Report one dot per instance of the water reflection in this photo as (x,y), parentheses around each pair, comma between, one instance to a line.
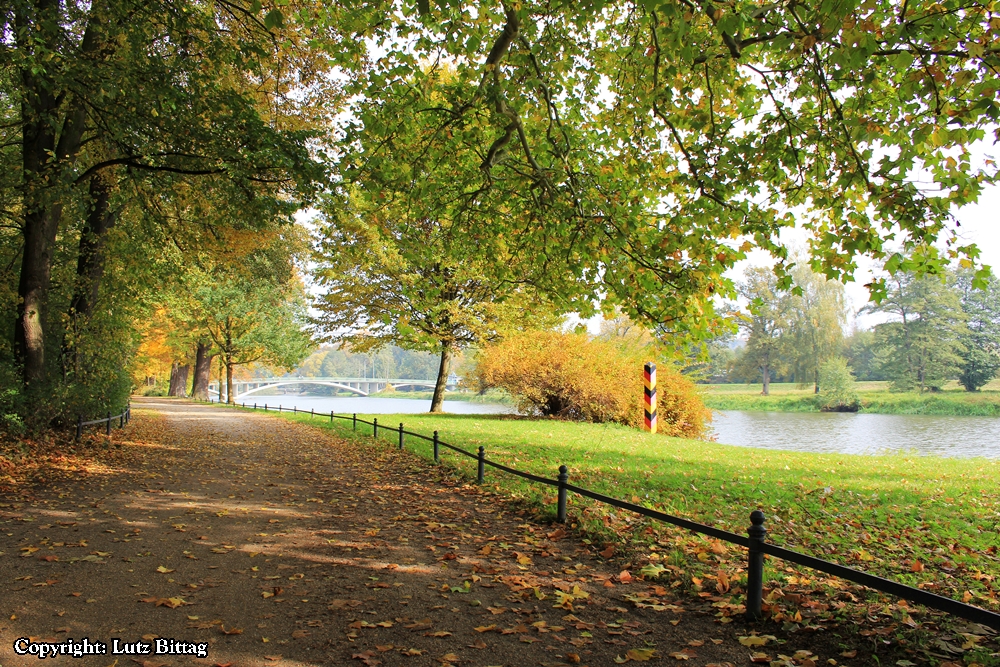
(375,406)
(960,437)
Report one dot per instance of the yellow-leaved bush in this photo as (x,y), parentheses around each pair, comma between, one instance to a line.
(574,376)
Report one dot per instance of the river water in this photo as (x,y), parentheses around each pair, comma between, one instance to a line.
(818,432)
(846,433)
(375,406)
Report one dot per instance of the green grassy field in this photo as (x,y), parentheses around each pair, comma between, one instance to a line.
(875,398)
(919,520)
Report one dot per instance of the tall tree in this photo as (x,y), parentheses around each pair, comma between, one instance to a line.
(981,358)
(413,261)
(254,322)
(112,88)
(765,325)
(816,324)
(921,345)
(395,280)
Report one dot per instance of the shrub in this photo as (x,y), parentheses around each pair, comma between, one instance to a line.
(837,392)
(572,376)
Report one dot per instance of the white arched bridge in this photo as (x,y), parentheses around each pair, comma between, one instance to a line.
(359,386)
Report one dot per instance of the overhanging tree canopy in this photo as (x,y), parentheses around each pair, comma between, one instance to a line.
(658,142)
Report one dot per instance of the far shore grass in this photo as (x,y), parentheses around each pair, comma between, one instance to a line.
(918,520)
(875,397)
(492,396)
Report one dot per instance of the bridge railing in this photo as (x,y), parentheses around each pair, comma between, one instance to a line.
(755,540)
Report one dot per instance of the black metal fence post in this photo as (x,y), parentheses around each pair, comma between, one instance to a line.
(755,565)
(482,465)
(400,435)
(312,412)
(121,420)
(375,427)
(437,458)
(331,416)
(254,406)
(561,505)
(79,426)
(265,407)
(108,430)
(354,420)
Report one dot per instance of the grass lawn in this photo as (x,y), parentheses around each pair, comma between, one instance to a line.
(925,521)
(875,398)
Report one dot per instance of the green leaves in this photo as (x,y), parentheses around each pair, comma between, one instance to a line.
(274,19)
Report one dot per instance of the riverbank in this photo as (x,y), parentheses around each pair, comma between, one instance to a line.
(874,398)
(920,520)
(493,396)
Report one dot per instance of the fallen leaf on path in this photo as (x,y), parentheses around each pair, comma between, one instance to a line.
(343,604)
(637,654)
(367,657)
(172,603)
(755,640)
(164,570)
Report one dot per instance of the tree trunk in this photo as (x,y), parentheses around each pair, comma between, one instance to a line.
(90,261)
(442,378)
(50,142)
(202,372)
(816,386)
(766,370)
(229,381)
(89,266)
(179,379)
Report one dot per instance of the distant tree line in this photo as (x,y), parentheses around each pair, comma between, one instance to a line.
(937,328)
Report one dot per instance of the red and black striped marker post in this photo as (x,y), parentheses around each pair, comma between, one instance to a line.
(649,378)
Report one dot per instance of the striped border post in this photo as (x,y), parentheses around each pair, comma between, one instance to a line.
(649,379)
